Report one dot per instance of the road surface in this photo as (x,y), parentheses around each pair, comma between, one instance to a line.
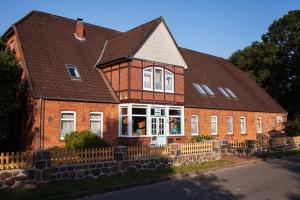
(276,179)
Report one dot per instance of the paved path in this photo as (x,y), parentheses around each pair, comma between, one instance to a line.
(276,179)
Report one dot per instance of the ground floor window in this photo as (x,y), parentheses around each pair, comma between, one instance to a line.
(229,122)
(96,123)
(67,123)
(243,125)
(138,120)
(194,124)
(214,125)
(258,125)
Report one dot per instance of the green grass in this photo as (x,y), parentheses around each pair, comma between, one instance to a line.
(278,154)
(67,187)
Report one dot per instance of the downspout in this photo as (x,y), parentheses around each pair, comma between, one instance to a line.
(40,124)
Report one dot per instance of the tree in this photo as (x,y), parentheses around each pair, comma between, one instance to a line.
(10,84)
(274,62)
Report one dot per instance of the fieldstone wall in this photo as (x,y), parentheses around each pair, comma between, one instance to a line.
(44,172)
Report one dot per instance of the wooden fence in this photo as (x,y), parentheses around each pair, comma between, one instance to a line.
(13,160)
(62,157)
(135,152)
(201,147)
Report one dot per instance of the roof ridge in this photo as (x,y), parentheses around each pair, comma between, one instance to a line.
(196,51)
(62,17)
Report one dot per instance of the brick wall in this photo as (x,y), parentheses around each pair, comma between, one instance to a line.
(51,119)
(204,123)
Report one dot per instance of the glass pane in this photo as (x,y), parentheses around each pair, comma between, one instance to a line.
(95,127)
(158,79)
(139,111)
(161,125)
(124,110)
(229,125)
(148,70)
(67,115)
(169,83)
(175,125)
(213,127)
(96,116)
(139,125)
(153,126)
(174,112)
(147,80)
(66,127)
(124,125)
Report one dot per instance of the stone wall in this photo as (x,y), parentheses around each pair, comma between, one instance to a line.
(44,172)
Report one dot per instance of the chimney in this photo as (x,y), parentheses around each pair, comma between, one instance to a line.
(80,32)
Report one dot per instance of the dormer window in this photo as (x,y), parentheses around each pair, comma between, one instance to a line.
(147,79)
(158,79)
(73,72)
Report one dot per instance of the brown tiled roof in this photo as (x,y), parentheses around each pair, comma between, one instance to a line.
(218,72)
(126,44)
(48,44)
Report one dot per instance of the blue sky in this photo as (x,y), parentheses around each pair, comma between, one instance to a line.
(216,27)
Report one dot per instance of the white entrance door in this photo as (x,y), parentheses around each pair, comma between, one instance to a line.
(158,130)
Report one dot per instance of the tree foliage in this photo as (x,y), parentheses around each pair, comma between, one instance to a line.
(274,62)
(10,83)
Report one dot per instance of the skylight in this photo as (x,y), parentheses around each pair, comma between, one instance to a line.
(224,92)
(207,90)
(230,93)
(199,88)
(73,72)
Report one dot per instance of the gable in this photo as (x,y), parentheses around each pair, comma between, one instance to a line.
(160,47)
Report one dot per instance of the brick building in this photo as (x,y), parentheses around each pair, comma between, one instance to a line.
(135,85)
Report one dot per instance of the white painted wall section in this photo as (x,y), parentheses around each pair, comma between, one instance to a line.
(160,47)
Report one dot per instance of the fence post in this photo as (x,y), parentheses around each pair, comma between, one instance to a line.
(121,154)
(216,146)
(42,164)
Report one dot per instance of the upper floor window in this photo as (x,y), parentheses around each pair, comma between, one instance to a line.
(169,81)
(158,79)
(73,72)
(147,79)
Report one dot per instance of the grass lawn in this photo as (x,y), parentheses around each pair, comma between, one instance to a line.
(279,154)
(66,187)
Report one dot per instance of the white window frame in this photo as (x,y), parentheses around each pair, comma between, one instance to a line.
(75,70)
(231,124)
(97,120)
(148,106)
(215,121)
(162,79)
(174,116)
(166,76)
(245,124)
(151,79)
(260,125)
(67,112)
(197,124)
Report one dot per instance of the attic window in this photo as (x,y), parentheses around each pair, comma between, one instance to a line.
(73,72)
(199,88)
(222,90)
(230,93)
(207,90)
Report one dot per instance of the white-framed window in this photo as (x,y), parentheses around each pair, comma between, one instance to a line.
(229,122)
(214,125)
(243,125)
(96,122)
(139,121)
(67,122)
(279,120)
(73,71)
(169,81)
(175,120)
(124,121)
(158,79)
(148,78)
(194,124)
(258,125)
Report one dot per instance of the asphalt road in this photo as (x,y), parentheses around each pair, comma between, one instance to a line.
(276,179)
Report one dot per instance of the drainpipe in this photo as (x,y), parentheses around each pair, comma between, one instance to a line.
(40,124)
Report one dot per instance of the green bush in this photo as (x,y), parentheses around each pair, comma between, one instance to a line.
(83,139)
(201,138)
(293,127)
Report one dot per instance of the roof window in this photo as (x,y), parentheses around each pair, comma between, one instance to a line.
(207,90)
(199,88)
(203,89)
(73,72)
(222,90)
(230,93)
(227,92)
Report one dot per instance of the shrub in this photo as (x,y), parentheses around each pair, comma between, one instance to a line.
(83,139)
(201,138)
(293,127)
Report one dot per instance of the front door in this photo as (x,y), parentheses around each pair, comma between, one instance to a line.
(158,130)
